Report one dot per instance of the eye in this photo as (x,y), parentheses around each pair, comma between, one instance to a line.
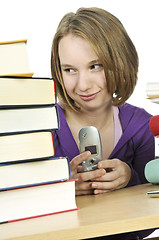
(69,70)
(96,66)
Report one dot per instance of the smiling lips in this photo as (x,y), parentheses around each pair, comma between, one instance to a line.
(88,97)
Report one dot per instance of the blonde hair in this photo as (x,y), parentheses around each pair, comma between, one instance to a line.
(111,43)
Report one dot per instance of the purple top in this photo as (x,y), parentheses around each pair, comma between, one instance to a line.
(136,146)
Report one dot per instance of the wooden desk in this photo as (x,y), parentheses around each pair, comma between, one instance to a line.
(120,211)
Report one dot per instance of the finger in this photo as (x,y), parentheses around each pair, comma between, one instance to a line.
(83,186)
(110,163)
(82,192)
(79,159)
(116,184)
(86,176)
(79,169)
(101,191)
(108,177)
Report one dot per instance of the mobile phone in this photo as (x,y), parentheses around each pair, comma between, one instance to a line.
(89,140)
(153,194)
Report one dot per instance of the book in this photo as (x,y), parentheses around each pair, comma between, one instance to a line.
(22,174)
(14,59)
(152,90)
(26,146)
(37,201)
(18,91)
(155,100)
(153,94)
(28,119)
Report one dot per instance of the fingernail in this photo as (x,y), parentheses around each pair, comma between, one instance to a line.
(94,185)
(96,192)
(99,165)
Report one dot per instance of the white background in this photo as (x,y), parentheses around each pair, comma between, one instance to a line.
(37,20)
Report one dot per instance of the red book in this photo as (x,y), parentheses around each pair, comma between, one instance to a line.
(36,201)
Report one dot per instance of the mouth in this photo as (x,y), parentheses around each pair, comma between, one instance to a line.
(88,97)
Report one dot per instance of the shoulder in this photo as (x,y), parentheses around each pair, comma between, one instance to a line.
(65,144)
(62,120)
(134,118)
(130,111)
(134,109)
(60,111)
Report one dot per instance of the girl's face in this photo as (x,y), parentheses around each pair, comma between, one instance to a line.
(83,74)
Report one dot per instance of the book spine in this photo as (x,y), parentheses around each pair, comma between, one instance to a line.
(32,185)
(14,41)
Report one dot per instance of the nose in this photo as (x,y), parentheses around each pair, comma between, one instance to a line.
(84,81)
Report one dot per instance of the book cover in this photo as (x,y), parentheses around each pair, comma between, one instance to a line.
(24,174)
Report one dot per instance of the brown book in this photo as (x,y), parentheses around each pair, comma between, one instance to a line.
(27,146)
(14,59)
(18,91)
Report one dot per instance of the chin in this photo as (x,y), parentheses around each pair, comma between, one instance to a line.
(94,105)
(92,108)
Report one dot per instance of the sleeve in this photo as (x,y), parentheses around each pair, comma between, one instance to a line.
(144,151)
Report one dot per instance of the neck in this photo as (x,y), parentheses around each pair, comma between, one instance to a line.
(99,118)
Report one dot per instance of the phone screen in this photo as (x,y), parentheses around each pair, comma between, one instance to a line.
(92,149)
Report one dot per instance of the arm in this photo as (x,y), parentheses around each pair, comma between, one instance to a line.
(144,146)
(139,150)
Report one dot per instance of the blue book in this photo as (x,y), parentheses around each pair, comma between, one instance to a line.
(32,173)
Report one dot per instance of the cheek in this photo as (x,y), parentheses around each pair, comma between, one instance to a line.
(103,84)
(69,85)
(103,81)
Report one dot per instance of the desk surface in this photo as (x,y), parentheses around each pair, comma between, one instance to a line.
(124,210)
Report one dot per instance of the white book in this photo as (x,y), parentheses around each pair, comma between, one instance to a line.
(30,173)
(28,119)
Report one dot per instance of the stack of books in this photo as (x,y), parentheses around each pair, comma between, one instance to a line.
(32,182)
(152,91)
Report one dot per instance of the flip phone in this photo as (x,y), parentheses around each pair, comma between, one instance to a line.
(89,140)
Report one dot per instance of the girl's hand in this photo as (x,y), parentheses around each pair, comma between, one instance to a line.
(117,175)
(84,184)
